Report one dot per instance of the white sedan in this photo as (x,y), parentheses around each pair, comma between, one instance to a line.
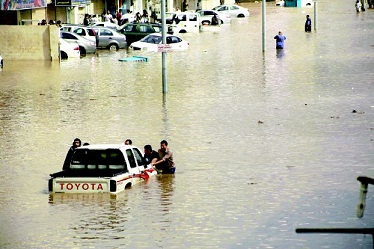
(233,10)
(206,16)
(152,42)
(69,49)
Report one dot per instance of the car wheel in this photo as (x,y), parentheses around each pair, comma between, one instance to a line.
(240,15)
(82,50)
(113,47)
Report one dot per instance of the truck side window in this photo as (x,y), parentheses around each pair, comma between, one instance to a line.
(131,158)
(139,157)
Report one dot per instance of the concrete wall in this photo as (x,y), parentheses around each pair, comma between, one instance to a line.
(29,42)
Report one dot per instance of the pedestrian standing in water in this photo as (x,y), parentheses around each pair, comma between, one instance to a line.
(358,6)
(151,156)
(308,24)
(280,38)
(165,162)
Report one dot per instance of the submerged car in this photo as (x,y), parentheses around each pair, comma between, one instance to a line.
(69,49)
(233,10)
(110,39)
(207,15)
(85,46)
(153,41)
(104,25)
(136,31)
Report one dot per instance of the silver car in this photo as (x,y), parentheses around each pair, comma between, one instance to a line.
(110,39)
(85,31)
(85,46)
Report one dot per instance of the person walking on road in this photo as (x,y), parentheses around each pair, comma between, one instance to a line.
(308,24)
(280,38)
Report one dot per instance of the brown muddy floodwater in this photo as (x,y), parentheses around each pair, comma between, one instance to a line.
(240,183)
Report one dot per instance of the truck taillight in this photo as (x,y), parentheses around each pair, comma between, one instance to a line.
(113,186)
(50,185)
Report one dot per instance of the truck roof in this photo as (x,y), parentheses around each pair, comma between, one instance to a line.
(106,146)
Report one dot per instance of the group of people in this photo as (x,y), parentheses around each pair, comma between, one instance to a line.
(161,160)
(120,18)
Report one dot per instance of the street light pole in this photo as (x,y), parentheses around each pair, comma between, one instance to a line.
(164,69)
(315,15)
(263,25)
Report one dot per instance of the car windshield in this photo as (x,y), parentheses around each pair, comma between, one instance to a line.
(154,39)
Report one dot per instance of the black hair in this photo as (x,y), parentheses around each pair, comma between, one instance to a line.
(148,147)
(164,142)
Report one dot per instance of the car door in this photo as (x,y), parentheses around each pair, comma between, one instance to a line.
(105,37)
(174,41)
(144,30)
(134,170)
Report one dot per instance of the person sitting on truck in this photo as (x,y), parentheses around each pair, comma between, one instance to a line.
(150,155)
(76,143)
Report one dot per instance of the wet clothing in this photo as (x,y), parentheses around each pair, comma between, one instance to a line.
(279,41)
(308,25)
(149,157)
(167,158)
(215,20)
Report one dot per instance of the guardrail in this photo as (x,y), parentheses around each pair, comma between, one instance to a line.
(365,181)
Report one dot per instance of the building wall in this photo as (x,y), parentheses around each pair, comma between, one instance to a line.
(29,42)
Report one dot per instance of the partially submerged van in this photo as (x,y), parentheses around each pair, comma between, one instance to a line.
(184,22)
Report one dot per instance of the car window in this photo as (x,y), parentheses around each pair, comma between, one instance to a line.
(80,31)
(172,39)
(130,156)
(193,17)
(152,39)
(208,13)
(157,29)
(91,32)
(234,8)
(106,32)
(182,17)
(68,36)
(130,28)
(139,157)
(145,29)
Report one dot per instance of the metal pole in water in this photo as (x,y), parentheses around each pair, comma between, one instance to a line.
(315,15)
(164,69)
(263,25)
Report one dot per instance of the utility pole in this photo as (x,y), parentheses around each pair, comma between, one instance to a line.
(164,69)
(263,25)
(315,15)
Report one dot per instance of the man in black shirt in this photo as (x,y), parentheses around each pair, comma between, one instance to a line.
(150,155)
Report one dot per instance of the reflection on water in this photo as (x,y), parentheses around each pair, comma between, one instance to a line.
(263,142)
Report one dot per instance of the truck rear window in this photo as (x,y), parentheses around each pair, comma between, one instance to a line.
(98,159)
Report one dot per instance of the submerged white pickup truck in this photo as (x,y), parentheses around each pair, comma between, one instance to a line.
(101,168)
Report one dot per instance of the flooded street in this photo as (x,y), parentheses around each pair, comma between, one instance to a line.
(263,143)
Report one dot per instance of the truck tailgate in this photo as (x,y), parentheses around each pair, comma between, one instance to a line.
(79,185)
